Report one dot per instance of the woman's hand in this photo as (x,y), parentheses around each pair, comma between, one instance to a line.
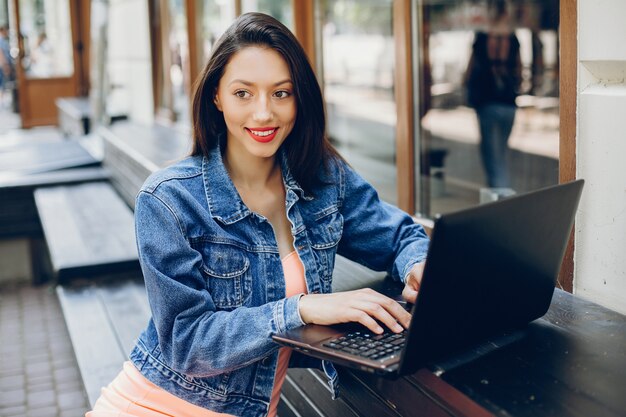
(364,306)
(413,282)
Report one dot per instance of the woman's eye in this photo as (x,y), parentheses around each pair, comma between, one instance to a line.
(242,94)
(282,94)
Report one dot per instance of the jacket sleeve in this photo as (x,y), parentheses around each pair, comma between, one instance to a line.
(196,339)
(376,234)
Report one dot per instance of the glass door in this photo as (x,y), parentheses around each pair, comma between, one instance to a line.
(49,57)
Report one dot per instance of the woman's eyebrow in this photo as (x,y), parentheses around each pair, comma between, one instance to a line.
(250,83)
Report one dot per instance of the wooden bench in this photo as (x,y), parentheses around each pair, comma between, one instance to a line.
(18,214)
(104,320)
(38,157)
(133,151)
(74,115)
(89,231)
(33,160)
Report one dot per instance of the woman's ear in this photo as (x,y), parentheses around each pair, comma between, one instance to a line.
(216,100)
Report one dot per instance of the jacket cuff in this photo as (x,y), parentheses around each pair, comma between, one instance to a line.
(299,296)
(409,266)
(287,314)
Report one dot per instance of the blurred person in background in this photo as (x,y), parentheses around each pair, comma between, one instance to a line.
(493,80)
(7,67)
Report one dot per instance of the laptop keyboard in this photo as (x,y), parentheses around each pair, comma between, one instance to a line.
(369,345)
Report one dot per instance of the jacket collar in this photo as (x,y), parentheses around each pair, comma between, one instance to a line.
(290,183)
(224,201)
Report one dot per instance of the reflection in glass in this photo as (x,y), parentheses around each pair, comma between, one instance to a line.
(280,9)
(216,16)
(487,99)
(358,78)
(46,31)
(4,13)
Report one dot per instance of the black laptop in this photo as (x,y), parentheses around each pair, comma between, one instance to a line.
(489,268)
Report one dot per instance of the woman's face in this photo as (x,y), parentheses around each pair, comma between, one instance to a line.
(255,94)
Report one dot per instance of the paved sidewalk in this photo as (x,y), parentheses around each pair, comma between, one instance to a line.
(39,376)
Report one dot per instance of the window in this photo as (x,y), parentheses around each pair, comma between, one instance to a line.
(280,9)
(215,17)
(173,67)
(358,79)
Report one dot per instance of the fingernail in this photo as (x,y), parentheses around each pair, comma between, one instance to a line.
(379,329)
(398,328)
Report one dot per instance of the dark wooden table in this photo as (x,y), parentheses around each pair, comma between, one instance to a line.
(571,362)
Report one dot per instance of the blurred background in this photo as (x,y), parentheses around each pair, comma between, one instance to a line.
(75,48)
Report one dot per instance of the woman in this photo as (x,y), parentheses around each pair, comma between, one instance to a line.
(238,241)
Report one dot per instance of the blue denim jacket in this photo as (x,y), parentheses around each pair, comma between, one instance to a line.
(215,281)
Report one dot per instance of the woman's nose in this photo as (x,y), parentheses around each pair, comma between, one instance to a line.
(263,110)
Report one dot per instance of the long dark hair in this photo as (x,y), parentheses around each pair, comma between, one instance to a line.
(307,146)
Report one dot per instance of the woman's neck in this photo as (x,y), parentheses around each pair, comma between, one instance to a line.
(250,172)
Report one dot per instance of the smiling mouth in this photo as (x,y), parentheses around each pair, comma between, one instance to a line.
(263,135)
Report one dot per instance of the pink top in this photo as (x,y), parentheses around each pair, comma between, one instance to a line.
(295,283)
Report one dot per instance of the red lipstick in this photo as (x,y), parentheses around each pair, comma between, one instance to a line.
(262,134)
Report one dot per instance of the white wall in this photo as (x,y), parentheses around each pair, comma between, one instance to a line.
(129,60)
(600,254)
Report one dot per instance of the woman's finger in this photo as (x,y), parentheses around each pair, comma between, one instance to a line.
(362,317)
(379,313)
(394,308)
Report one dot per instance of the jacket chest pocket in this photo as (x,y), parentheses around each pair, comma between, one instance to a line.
(226,270)
(325,235)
